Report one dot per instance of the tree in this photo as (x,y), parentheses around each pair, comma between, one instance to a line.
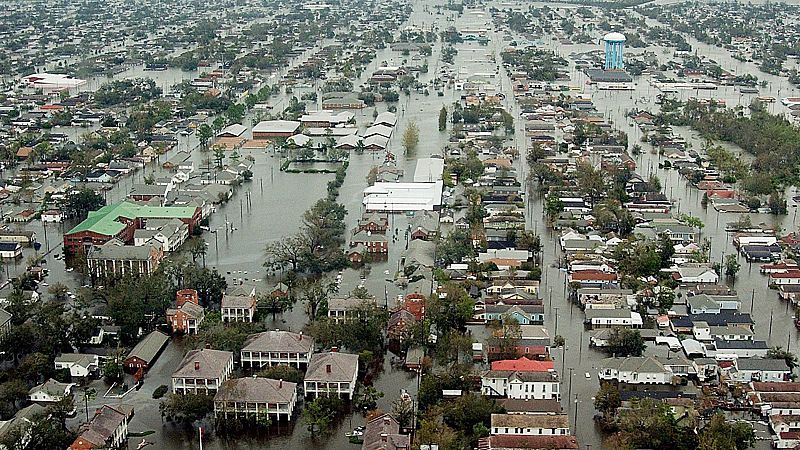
(320,412)
(779,353)
(732,266)
(275,304)
(719,434)
(186,408)
(649,423)
(112,369)
(443,118)
(410,137)
(553,206)
(204,135)
(282,372)
(286,252)
(197,248)
(626,342)
(219,155)
(692,221)
(666,249)
(402,410)
(58,290)
(506,335)
(450,309)
(78,204)
(559,341)
(366,398)
(590,182)
(315,294)
(607,400)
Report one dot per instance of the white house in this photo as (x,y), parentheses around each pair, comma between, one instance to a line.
(331,372)
(277,347)
(202,372)
(52,216)
(759,369)
(51,391)
(610,318)
(701,331)
(521,385)
(80,365)
(694,275)
(530,424)
(644,369)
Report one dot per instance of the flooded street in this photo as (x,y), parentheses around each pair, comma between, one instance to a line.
(270,207)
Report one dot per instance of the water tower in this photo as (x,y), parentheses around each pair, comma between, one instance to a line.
(615,46)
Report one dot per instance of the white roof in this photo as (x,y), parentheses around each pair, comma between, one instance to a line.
(614,37)
(386,118)
(235,129)
(276,126)
(429,169)
(381,130)
(403,196)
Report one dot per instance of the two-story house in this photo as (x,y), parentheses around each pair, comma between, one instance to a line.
(271,348)
(333,373)
(202,371)
(530,424)
(256,397)
(187,315)
(238,308)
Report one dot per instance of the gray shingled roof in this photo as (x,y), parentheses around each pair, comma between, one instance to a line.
(262,390)
(343,367)
(279,341)
(212,364)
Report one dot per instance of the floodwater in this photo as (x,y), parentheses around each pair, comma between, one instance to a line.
(271,205)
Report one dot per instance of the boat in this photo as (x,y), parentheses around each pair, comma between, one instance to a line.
(790,101)
(356,432)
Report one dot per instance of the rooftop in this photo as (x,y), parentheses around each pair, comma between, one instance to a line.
(105,221)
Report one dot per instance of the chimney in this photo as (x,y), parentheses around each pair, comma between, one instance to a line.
(197,365)
(334,349)
(280,383)
(384,437)
(328,368)
(387,421)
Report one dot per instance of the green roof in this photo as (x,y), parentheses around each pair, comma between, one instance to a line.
(104,220)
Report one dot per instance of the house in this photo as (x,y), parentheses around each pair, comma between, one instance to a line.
(592,278)
(10,250)
(530,424)
(202,371)
(373,222)
(729,350)
(52,216)
(694,275)
(341,309)
(170,233)
(520,442)
(791,276)
(702,304)
(255,397)
(372,242)
(731,333)
(238,308)
(599,298)
(399,325)
(540,385)
(424,225)
(114,258)
(271,348)
(51,391)
(108,429)
(760,369)
(232,130)
(383,433)
(641,370)
(80,365)
(523,314)
(187,315)
(145,352)
(331,372)
(610,318)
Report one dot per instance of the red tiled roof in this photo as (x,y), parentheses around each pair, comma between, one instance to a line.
(523,364)
(795,273)
(532,442)
(593,275)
